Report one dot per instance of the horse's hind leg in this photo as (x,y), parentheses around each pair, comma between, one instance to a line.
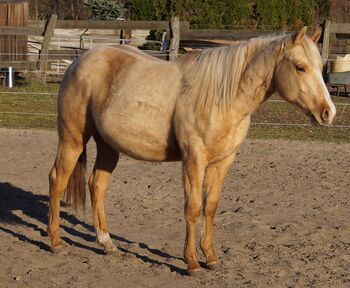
(106,161)
(68,152)
(214,178)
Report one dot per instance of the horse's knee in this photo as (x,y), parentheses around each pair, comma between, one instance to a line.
(210,208)
(192,210)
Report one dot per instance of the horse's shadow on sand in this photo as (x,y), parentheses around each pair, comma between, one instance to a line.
(16,205)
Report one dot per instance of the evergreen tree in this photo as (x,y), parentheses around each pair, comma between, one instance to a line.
(104,9)
(237,14)
(142,10)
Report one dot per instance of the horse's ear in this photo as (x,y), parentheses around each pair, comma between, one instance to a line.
(299,36)
(315,36)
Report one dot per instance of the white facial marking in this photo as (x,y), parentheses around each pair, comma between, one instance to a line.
(329,101)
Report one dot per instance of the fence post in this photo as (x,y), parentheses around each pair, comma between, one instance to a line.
(174,37)
(125,36)
(49,30)
(325,45)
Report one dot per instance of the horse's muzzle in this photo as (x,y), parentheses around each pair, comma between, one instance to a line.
(328,115)
(323,118)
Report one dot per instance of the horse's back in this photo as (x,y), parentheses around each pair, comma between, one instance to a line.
(129,97)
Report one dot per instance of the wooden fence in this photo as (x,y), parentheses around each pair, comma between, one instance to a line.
(46,29)
(211,34)
(176,31)
(332,29)
(12,14)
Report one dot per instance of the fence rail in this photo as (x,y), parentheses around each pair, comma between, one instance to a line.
(46,29)
(175,30)
(7,30)
(236,35)
(29,105)
(332,28)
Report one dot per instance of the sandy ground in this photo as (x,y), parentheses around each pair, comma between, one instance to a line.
(283,220)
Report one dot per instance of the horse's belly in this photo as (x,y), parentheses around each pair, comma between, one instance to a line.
(142,131)
(139,118)
(142,142)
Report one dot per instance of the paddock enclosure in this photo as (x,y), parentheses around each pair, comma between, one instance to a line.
(283,220)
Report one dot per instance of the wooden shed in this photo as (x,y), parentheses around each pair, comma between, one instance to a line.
(13,14)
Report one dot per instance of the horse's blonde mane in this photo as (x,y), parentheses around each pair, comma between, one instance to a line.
(214,75)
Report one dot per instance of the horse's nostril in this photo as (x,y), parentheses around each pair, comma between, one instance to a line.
(325,115)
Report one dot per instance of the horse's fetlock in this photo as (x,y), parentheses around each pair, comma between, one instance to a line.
(206,247)
(52,232)
(193,264)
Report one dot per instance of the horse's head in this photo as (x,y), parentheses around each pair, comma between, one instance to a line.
(298,77)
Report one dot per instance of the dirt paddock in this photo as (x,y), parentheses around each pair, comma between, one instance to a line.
(283,220)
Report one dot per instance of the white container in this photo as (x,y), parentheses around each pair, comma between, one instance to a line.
(341,64)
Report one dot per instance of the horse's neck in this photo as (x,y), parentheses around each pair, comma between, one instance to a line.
(256,82)
(254,64)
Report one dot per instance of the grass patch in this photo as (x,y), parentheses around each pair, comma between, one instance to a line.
(282,113)
(37,110)
(35,86)
(307,133)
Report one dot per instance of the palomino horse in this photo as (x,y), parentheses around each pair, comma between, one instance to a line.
(195,109)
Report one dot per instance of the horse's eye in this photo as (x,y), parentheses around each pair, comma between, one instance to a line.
(300,68)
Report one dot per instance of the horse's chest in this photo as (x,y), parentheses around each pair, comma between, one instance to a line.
(220,148)
(226,141)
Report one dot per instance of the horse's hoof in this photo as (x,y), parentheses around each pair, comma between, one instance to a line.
(214,266)
(57,249)
(110,251)
(195,272)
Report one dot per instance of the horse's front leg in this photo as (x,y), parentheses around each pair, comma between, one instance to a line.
(213,180)
(193,173)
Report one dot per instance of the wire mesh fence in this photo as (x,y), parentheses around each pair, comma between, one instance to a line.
(272,114)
